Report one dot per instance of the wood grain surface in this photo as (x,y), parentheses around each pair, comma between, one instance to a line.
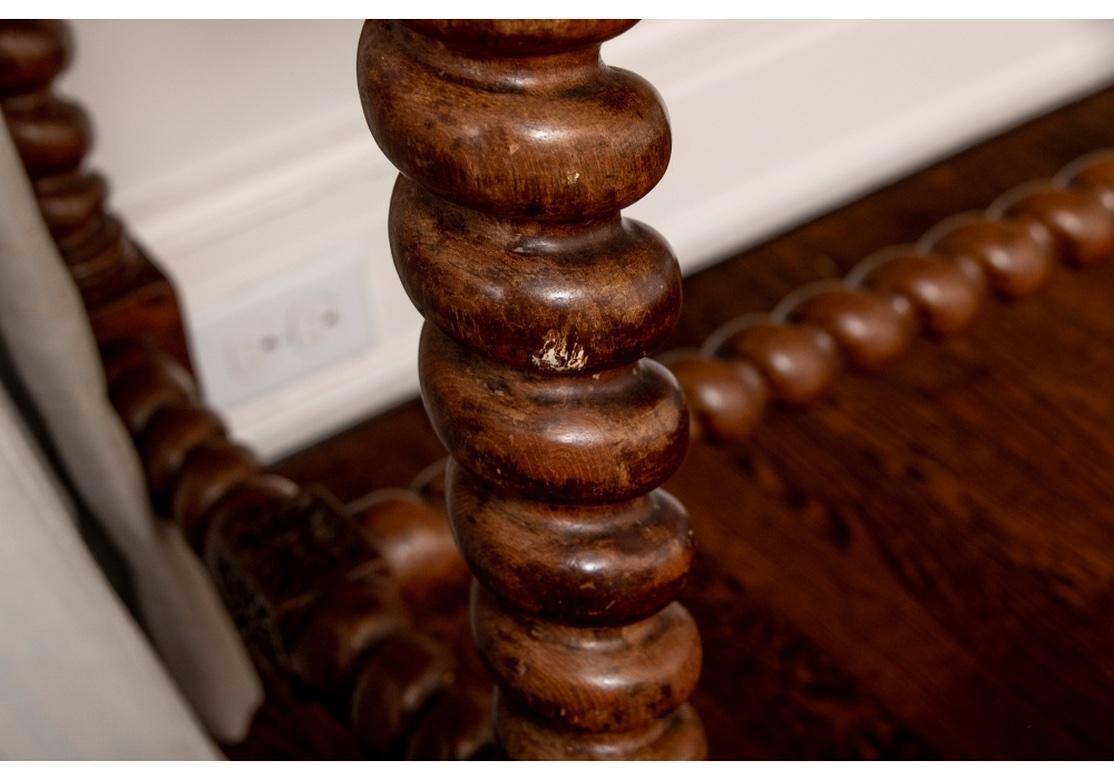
(921,565)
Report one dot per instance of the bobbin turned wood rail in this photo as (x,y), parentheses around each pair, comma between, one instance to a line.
(870,317)
(518,148)
(124,292)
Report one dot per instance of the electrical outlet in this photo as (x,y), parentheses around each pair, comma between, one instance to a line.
(286,328)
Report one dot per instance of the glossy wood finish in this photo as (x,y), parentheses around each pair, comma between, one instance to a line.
(413,535)
(518,148)
(918,565)
(319,592)
(868,318)
(124,293)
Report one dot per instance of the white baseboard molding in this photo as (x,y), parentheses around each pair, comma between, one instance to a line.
(772,122)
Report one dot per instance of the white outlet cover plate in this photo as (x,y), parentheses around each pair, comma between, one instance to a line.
(286,328)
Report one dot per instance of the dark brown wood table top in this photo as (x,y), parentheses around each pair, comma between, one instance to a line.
(923,564)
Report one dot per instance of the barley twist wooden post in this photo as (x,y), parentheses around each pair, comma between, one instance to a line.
(125,294)
(518,148)
(53,137)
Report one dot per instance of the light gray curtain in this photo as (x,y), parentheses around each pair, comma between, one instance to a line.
(77,677)
(52,350)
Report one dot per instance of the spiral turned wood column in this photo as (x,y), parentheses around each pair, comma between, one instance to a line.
(53,137)
(124,293)
(518,148)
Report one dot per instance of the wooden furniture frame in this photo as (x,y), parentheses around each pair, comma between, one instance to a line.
(517,148)
(916,565)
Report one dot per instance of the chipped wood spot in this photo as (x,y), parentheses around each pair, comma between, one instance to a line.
(556,354)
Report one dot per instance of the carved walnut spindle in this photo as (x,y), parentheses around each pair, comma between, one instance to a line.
(798,361)
(518,148)
(1012,259)
(457,727)
(401,676)
(871,329)
(414,539)
(1074,221)
(726,399)
(946,296)
(1093,173)
(53,137)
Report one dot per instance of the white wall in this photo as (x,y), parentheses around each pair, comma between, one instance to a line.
(239,155)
